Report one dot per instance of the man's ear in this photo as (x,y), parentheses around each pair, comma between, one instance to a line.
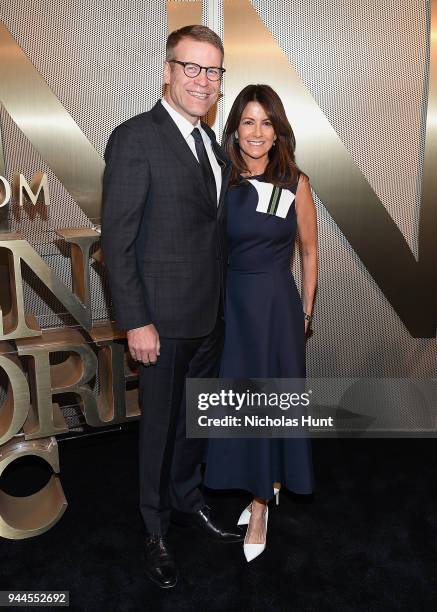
(167,70)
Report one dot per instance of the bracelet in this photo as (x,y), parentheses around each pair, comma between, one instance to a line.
(307,317)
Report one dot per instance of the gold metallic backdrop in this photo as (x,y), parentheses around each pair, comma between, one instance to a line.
(354,80)
(365,68)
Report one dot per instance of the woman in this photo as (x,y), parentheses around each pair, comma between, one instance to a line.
(266,321)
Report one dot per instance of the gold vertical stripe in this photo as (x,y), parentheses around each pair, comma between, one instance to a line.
(3,209)
(428,208)
(181,14)
(2,157)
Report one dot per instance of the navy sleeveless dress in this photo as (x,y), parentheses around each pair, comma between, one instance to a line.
(264,335)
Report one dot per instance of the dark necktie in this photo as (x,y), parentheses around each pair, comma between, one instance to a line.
(207,172)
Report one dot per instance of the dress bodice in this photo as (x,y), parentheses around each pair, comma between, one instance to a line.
(261,225)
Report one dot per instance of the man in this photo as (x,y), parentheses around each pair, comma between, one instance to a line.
(164,248)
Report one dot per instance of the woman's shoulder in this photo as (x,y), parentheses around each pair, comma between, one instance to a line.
(301,181)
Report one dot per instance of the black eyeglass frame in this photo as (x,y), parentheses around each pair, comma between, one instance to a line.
(206,68)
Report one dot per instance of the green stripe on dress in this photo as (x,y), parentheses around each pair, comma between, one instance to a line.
(274,200)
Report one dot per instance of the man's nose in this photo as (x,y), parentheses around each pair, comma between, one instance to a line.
(201,78)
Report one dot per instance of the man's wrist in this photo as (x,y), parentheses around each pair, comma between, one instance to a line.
(138,327)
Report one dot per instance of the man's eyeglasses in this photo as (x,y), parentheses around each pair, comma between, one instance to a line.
(192,70)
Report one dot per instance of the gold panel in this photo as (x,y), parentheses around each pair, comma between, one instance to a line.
(253,56)
(25,517)
(3,210)
(428,210)
(181,14)
(2,157)
(49,127)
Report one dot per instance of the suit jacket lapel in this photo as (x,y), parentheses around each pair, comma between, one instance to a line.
(179,146)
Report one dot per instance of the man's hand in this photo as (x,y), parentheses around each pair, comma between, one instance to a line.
(144,344)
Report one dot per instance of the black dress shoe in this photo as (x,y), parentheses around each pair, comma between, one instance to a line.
(160,566)
(202,519)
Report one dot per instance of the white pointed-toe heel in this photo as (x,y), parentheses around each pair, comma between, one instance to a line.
(244,516)
(253,550)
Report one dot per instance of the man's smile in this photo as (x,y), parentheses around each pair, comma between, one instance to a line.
(198,94)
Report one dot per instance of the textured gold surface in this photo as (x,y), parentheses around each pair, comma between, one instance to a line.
(50,128)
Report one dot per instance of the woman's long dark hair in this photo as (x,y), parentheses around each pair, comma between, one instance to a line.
(281,169)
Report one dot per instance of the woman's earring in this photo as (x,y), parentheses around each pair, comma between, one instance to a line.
(236,135)
(274,143)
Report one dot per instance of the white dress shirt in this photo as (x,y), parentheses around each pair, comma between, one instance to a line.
(185,128)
